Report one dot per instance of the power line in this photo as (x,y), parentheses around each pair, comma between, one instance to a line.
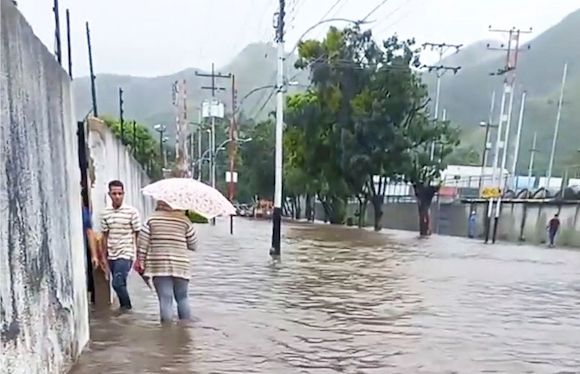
(375,9)
(330,10)
(391,13)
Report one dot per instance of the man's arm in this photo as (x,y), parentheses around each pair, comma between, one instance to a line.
(136,226)
(105,232)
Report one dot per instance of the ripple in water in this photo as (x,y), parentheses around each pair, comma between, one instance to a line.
(352,301)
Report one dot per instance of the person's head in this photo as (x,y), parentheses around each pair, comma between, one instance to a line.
(162,205)
(116,192)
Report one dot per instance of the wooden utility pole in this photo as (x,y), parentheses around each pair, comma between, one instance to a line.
(232,150)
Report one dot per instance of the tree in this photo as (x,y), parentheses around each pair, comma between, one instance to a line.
(257,162)
(464,156)
(383,109)
(144,146)
(422,170)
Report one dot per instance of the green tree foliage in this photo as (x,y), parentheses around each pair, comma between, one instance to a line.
(363,123)
(144,147)
(256,163)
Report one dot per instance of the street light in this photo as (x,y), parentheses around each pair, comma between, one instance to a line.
(160,128)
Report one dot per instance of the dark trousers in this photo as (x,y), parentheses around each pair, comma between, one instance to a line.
(90,279)
(120,269)
(552,236)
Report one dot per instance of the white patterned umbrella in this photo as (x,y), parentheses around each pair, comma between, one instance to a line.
(190,194)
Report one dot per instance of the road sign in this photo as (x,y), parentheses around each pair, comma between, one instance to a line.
(491,192)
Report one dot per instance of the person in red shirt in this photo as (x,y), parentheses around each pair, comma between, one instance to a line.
(553,227)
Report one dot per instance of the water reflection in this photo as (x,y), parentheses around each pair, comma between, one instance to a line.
(352,301)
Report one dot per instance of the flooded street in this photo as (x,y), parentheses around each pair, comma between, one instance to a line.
(351,301)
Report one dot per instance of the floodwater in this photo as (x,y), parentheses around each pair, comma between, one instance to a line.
(352,301)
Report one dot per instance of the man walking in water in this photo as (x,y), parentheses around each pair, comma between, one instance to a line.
(120,224)
(553,227)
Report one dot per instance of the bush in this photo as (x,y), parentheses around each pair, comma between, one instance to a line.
(196,218)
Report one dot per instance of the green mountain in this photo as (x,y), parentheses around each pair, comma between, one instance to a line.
(466,95)
(149,100)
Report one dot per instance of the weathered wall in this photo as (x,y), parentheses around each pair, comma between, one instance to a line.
(527,221)
(111,160)
(43,299)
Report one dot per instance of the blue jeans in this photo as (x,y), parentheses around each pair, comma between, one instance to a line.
(167,289)
(552,236)
(119,272)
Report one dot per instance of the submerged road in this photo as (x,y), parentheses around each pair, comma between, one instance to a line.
(352,301)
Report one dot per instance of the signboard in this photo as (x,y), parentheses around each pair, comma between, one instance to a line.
(212,109)
(491,192)
(229,177)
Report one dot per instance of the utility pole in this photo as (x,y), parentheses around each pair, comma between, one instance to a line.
(486,144)
(503,126)
(440,70)
(92,72)
(232,149)
(518,135)
(68,44)
(533,151)
(213,89)
(57,47)
(277,214)
(199,140)
(121,113)
(134,142)
(557,126)
(179,96)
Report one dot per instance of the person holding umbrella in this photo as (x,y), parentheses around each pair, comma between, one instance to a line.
(165,243)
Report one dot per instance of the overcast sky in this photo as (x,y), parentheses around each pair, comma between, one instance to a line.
(158,37)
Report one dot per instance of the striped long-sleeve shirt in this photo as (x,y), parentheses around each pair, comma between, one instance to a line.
(165,242)
(121,224)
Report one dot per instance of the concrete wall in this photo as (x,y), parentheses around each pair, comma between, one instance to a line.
(43,299)
(111,160)
(517,220)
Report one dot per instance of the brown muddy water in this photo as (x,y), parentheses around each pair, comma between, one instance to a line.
(351,301)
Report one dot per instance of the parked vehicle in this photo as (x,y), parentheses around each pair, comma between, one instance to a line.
(263,209)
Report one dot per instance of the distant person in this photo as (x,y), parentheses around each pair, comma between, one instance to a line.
(472,225)
(165,243)
(553,227)
(120,224)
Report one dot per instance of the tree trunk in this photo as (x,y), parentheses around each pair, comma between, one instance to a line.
(337,211)
(326,209)
(297,208)
(378,211)
(424,195)
(362,211)
(309,210)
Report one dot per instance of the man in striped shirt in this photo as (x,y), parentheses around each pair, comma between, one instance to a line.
(120,224)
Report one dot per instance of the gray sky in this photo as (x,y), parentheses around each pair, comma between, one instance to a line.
(154,37)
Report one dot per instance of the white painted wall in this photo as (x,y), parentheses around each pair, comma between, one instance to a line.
(43,295)
(112,160)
